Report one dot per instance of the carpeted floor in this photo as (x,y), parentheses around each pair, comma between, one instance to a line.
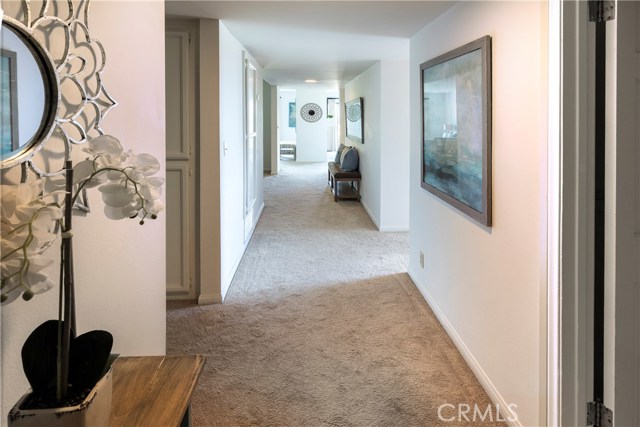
(322,326)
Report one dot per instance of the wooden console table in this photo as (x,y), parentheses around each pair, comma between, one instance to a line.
(154,390)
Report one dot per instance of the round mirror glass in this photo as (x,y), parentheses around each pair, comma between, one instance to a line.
(27,91)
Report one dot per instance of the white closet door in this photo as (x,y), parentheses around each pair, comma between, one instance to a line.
(179,180)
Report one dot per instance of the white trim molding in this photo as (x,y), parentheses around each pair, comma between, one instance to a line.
(553,368)
(575,243)
(510,418)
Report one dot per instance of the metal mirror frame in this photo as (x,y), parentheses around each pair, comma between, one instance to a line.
(75,24)
(51,95)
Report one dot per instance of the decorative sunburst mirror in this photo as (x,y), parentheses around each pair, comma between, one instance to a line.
(311,112)
(65,101)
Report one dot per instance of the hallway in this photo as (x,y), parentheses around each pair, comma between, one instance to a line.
(321,325)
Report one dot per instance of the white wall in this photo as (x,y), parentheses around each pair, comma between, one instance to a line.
(368,86)
(223,227)
(285,96)
(119,265)
(488,285)
(311,137)
(343,124)
(394,150)
(209,158)
(232,222)
(384,156)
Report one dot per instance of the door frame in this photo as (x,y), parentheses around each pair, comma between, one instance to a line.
(275,131)
(570,320)
(570,214)
(622,340)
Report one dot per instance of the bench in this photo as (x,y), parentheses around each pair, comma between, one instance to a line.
(345,184)
(287,148)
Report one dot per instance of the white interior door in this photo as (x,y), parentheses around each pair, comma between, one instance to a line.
(250,142)
(179,180)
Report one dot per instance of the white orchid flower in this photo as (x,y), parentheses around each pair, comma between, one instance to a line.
(106,151)
(29,225)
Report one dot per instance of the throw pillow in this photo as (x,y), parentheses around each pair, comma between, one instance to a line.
(350,159)
(339,153)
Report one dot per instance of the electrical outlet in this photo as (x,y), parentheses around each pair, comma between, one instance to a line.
(421,259)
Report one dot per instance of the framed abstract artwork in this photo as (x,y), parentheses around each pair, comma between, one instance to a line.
(292,114)
(456,128)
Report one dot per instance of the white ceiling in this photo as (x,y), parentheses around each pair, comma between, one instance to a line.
(329,41)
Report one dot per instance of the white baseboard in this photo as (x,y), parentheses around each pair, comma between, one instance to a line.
(227,283)
(207,299)
(179,296)
(368,211)
(394,229)
(385,229)
(477,370)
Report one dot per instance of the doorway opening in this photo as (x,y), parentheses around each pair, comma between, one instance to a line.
(287,141)
(333,128)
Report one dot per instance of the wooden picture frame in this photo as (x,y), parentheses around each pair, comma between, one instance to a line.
(455,93)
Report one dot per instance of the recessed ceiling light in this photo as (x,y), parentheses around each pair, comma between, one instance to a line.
(311,81)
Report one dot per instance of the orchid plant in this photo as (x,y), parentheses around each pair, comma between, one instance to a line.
(31,221)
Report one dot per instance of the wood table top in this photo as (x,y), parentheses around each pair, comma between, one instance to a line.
(153,390)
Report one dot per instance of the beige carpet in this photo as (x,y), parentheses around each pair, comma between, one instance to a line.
(321,325)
